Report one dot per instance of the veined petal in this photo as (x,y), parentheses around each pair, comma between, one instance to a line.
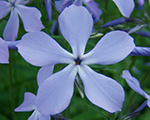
(125,6)
(76,25)
(28,103)
(49,9)
(140,51)
(30,17)
(133,83)
(4,54)
(112,48)
(4,9)
(55,93)
(40,49)
(44,73)
(11,28)
(101,90)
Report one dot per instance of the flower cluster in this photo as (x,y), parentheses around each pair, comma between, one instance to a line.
(77,21)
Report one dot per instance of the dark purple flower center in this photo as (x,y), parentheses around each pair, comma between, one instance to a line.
(78,61)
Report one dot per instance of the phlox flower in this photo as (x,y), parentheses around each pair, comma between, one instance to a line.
(125,6)
(56,91)
(29,15)
(135,85)
(4,54)
(29,103)
(90,4)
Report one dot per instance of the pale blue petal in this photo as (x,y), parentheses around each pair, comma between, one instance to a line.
(58,5)
(101,90)
(30,17)
(133,83)
(76,25)
(66,3)
(12,44)
(11,28)
(28,103)
(148,102)
(112,48)
(49,9)
(125,6)
(36,115)
(140,51)
(44,73)
(55,93)
(92,6)
(40,49)
(4,9)
(4,54)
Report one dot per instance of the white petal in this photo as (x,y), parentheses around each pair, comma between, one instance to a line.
(125,6)
(4,54)
(102,90)
(55,93)
(4,9)
(40,49)
(11,28)
(30,17)
(111,48)
(44,73)
(76,25)
(28,103)
(133,83)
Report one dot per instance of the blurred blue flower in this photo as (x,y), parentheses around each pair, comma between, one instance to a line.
(29,15)
(135,85)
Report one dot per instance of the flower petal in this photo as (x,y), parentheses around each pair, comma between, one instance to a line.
(28,103)
(92,6)
(4,9)
(133,83)
(40,49)
(76,25)
(4,54)
(44,73)
(140,51)
(49,9)
(101,90)
(112,48)
(30,17)
(12,44)
(55,93)
(36,115)
(148,102)
(11,28)
(125,6)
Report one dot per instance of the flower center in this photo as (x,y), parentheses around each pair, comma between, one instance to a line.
(78,61)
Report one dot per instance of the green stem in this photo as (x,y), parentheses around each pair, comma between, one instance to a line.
(11,86)
(106,7)
(132,63)
(143,81)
